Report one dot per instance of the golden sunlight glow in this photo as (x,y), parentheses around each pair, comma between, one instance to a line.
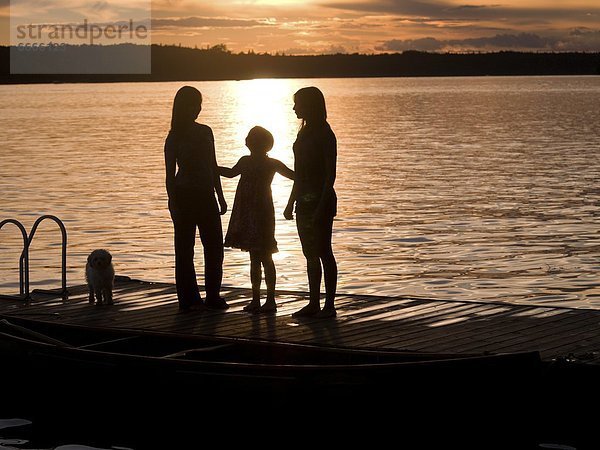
(274,2)
(269,103)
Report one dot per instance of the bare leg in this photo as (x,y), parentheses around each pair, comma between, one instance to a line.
(313,268)
(330,273)
(270,280)
(255,279)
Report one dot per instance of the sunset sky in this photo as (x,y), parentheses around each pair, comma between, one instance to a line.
(316,26)
(347,26)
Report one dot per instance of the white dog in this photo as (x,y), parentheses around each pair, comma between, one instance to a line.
(100,276)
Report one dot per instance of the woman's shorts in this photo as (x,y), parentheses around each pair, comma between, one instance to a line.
(315,236)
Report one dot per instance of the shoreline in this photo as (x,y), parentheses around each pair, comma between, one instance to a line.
(177,64)
(185,80)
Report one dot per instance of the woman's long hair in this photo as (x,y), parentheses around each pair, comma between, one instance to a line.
(186,107)
(314,102)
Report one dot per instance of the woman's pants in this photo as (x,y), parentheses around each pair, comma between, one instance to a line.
(203,216)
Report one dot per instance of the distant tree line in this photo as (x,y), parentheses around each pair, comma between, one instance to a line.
(176,63)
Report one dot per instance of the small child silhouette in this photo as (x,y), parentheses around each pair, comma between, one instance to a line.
(252,223)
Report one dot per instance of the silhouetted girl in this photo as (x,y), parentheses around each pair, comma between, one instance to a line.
(252,223)
(190,147)
(315,153)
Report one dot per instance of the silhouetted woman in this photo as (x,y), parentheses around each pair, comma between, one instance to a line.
(315,153)
(190,146)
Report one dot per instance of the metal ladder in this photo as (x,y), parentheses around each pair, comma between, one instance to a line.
(24,293)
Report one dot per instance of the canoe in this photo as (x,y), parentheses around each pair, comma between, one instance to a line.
(151,381)
(232,362)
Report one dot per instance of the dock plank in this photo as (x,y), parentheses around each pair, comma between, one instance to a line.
(523,334)
(369,332)
(363,321)
(477,328)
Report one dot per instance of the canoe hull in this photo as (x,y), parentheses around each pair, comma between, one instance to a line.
(150,397)
(120,361)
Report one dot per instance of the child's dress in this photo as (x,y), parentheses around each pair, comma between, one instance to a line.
(252,222)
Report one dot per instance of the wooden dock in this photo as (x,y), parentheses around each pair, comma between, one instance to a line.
(363,321)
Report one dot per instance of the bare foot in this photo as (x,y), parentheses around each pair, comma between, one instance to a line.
(309,310)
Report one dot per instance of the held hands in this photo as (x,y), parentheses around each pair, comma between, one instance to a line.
(288,213)
(222,205)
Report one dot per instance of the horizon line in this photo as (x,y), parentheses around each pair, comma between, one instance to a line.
(222,48)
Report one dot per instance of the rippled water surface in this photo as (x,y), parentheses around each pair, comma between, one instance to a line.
(464,188)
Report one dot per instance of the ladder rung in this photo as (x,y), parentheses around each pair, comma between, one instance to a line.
(24,259)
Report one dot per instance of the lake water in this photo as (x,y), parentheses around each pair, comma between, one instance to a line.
(462,188)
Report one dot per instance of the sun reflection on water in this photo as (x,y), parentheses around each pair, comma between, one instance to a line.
(447,188)
(269,104)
